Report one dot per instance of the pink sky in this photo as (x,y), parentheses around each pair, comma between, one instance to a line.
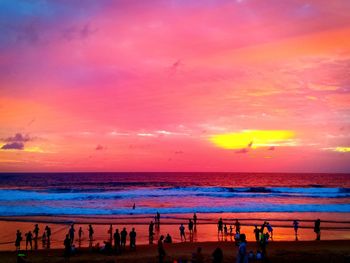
(151,85)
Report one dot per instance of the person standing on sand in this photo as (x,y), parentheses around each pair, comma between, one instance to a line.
(269,229)
(36,231)
(71,233)
(18,240)
(296,227)
(80,233)
(218,256)
(158,218)
(182,232)
(195,220)
(110,232)
(29,238)
(317,229)
(256,233)
(190,226)
(220,225)
(161,250)
(238,226)
(123,235)
(48,237)
(116,238)
(67,247)
(242,256)
(132,236)
(91,233)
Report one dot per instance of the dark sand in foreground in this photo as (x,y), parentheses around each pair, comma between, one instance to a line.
(301,251)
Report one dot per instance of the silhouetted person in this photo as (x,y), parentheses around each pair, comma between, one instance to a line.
(71,233)
(238,226)
(80,233)
(269,229)
(44,239)
(198,257)
(132,236)
(29,239)
(296,227)
(158,218)
(242,250)
(123,235)
(134,206)
(317,229)
(182,232)
(257,233)
(263,243)
(220,226)
(110,232)
(190,226)
(225,230)
(151,232)
(161,250)
(116,238)
(36,231)
(67,247)
(218,256)
(18,240)
(231,231)
(168,239)
(91,233)
(48,235)
(195,219)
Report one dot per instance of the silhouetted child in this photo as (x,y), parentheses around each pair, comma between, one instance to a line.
(132,236)
(29,238)
(18,240)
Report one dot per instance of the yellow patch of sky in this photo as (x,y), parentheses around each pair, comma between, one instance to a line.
(254,139)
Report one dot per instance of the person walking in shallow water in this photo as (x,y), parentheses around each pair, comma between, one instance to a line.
(80,233)
(36,231)
(132,236)
(317,229)
(116,238)
(123,235)
(91,233)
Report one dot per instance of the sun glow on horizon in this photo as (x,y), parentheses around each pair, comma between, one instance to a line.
(253,139)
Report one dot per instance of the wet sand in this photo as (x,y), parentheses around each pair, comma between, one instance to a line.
(300,251)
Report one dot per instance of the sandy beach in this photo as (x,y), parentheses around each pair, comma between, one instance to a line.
(301,251)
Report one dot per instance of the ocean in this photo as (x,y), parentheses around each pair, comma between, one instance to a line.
(24,194)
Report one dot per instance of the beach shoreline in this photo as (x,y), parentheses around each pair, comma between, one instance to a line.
(286,251)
